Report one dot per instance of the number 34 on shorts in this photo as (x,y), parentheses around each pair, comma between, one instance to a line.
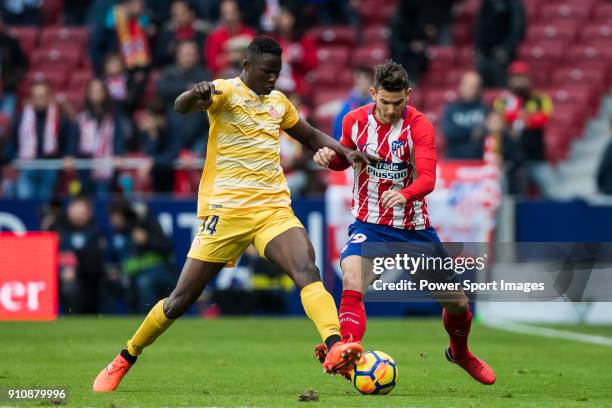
(209,226)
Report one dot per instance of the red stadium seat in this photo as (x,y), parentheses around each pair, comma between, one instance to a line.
(465,57)
(554,30)
(453,77)
(334,55)
(569,116)
(565,9)
(376,13)
(80,78)
(462,34)
(580,95)
(324,121)
(375,35)
(326,95)
(53,56)
(539,78)
(532,9)
(54,76)
(338,35)
(548,51)
(603,12)
(596,51)
(75,97)
(332,75)
(63,35)
(434,79)
(27,37)
(592,76)
(596,32)
(435,99)
(442,55)
(416,99)
(557,140)
(370,56)
(51,11)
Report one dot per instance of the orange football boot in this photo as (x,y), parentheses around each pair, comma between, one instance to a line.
(109,378)
(342,357)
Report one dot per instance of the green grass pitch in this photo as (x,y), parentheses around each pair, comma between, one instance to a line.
(265,362)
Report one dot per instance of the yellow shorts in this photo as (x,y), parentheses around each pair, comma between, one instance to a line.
(223,238)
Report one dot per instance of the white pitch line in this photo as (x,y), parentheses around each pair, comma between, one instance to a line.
(546,332)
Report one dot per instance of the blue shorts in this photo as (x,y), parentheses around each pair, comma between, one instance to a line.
(361,233)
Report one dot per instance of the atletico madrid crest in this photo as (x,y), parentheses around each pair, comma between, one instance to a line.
(398,147)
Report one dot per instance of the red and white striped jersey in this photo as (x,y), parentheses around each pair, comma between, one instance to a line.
(399,146)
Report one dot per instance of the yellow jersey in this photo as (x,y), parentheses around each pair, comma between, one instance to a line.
(242,169)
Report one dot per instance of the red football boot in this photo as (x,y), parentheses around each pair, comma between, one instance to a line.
(477,368)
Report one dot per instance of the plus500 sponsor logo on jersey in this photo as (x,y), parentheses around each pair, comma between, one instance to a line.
(388,171)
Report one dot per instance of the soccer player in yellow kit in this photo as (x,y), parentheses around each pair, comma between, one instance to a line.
(243,199)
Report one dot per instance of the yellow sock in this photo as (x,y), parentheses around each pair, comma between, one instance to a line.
(154,324)
(321,309)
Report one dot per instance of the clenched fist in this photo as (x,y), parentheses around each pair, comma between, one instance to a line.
(324,156)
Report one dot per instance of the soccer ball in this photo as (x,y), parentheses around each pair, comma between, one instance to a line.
(375,373)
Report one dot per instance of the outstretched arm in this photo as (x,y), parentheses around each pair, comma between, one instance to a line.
(314,139)
(197,99)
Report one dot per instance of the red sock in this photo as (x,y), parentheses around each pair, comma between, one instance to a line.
(352,315)
(458,328)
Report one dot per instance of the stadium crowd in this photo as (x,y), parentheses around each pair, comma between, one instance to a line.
(97,79)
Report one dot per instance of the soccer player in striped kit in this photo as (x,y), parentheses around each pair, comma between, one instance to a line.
(389,204)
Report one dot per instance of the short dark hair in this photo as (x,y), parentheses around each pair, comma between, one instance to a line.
(391,77)
(263,45)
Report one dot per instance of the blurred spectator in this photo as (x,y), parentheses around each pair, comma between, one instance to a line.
(252,11)
(604,174)
(21,12)
(13,66)
(462,121)
(125,88)
(175,80)
(438,19)
(125,30)
(511,154)
(99,136)
(81,258)
(409,39)
(359,96)
(182,27)
(159,11)
(75,11)
(327,12)
(299,54)
(42,131)
(526,112)
(143,251)
(208,11)
(161,146)
(500,27)
(235,51)
(230,26)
